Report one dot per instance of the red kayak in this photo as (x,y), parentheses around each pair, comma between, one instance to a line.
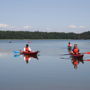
(78,56)
(29,53)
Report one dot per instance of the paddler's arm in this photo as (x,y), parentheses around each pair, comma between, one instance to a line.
(24,48)
(29,49)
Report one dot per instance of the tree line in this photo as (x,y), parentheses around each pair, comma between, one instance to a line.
(43,35)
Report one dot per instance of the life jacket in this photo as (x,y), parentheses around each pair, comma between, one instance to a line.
(76,50)
(26,49)
(69,45)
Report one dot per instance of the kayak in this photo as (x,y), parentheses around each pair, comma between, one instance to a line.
(32,53)
(77,56)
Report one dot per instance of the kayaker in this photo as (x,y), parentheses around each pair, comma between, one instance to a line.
(27,48)
(75,49)
(69,46)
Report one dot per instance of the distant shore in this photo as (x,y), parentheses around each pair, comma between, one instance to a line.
(43,35)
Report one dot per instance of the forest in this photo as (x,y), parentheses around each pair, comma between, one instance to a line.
(43,35)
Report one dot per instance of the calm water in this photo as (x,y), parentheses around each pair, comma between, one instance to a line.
(52,70)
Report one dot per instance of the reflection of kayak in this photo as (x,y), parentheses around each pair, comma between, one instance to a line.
(30,56)
(29,53)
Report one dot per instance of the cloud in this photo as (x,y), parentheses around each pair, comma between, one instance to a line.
(69,28)
(82,27)
(76,27)
(4,25)
(28,27)
(12,27)
(72,26)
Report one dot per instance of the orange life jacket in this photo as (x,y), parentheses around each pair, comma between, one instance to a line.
(26,49)
(76,50)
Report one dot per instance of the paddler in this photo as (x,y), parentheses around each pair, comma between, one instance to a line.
(69,46)
(27,48)
(75,49)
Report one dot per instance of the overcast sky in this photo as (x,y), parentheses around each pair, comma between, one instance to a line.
(45,15)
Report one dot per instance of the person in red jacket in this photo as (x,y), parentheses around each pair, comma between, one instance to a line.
(27,48)
(69,46)
(75,49)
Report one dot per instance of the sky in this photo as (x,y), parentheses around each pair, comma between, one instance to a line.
(45,15)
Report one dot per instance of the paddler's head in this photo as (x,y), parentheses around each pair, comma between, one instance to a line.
(75,45)
(68,42)
(27,45)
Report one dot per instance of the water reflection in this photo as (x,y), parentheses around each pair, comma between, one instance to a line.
(76,59)
(27,58)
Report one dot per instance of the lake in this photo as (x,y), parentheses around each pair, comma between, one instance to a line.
(51,71)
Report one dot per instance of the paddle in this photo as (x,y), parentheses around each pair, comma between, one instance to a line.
(80,53)
(87,60)
(16,51)
(86,53)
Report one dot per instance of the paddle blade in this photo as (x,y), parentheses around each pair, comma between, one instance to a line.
(16,51)
(87,53)
(87,60)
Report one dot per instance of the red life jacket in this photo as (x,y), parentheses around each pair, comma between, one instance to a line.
(69,45)
(76,50)
(26,49)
